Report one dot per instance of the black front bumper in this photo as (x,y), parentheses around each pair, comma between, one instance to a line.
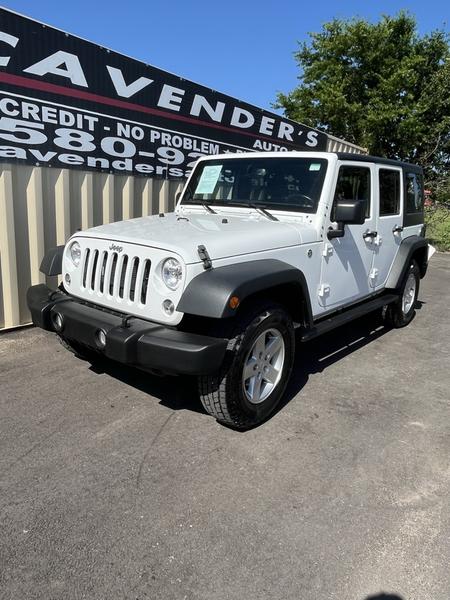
(137,342)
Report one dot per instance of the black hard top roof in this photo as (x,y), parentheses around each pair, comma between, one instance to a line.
(378,159)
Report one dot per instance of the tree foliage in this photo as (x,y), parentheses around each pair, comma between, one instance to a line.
(382,86)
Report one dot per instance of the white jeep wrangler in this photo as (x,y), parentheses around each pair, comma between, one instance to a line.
(259,245)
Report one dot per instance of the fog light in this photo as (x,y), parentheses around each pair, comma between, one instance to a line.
(67,279)
(57,321)
(168,307)
(100,338)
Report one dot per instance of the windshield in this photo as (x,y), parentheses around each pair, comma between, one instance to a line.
(292,184)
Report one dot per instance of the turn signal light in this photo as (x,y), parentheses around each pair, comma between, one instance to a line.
(234,302)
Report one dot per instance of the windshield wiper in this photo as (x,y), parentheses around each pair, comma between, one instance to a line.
(258,207)
(264,211)
(199,203)
(208,208)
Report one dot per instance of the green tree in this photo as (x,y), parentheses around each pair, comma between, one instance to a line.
(382,86)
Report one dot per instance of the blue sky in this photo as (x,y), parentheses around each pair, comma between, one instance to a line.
(242,48)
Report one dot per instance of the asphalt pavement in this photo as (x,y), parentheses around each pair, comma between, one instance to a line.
(116,485)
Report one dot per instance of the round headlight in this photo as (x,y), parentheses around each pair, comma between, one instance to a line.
(172,273)
(75,253)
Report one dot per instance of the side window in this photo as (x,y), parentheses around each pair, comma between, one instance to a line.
(353,184)
(389,181)
(414,193)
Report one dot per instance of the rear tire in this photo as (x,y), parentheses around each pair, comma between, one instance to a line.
(256,369)
(401,313)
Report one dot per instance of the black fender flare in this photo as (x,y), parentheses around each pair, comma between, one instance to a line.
(404,255)
(209,294)
(51,264)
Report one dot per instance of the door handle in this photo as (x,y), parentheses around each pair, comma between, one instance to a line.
(370,234)
(397,229)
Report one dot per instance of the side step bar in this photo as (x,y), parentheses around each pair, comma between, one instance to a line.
(327,324)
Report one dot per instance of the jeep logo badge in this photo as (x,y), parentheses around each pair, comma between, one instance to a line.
(116,248)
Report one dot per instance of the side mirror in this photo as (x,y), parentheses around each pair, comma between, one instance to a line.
(350,212)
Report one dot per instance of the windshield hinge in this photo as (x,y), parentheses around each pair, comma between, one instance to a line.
(204,257)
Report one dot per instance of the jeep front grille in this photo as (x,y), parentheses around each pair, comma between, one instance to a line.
(116,275)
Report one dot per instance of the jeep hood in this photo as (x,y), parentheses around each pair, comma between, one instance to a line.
(182,234)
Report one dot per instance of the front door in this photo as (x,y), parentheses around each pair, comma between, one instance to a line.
(347,261)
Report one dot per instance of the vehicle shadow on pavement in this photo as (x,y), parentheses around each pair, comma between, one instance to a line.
(180,393)
(318,354)
(177,393)
(384,596)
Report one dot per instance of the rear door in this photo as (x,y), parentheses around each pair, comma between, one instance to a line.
(388,210)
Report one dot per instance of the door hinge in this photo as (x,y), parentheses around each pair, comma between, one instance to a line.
(324,290)
(327,250)
(204,257)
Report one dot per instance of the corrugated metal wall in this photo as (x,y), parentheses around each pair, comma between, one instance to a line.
(41,207)
(334,144)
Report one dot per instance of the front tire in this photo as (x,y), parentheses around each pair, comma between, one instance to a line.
(401,313)
(256,369)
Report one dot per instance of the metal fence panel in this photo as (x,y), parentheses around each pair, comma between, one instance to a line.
(41,207)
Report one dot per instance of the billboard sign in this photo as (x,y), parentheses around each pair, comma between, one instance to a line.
(67,102)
